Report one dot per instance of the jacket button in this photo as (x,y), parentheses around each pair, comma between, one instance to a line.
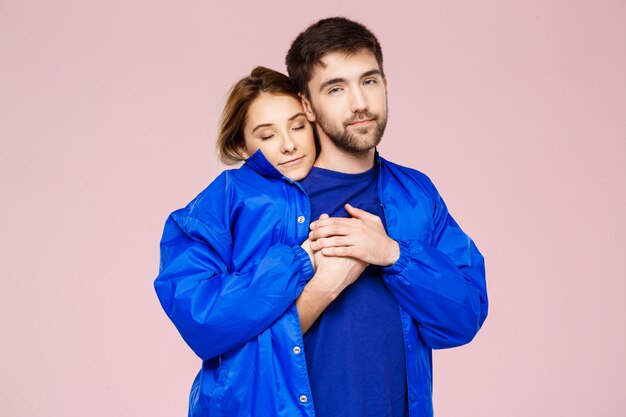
(301,219)
(303,399)
(297,350)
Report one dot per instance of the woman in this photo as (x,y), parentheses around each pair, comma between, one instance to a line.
(233,262)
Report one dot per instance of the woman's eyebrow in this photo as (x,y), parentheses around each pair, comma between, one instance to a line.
(260,126)
(296,115)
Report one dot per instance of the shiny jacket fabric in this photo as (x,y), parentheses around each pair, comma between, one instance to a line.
(232,268)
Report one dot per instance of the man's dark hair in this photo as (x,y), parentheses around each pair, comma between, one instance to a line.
(334,34)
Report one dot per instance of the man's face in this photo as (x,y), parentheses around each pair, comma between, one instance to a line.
(348,99)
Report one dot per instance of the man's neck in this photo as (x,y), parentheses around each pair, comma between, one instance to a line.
(335,159)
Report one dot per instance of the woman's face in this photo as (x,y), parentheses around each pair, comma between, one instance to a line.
(277,125)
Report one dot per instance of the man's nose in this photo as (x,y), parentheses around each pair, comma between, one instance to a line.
(358,101)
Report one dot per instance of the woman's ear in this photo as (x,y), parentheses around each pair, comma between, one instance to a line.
(308,109)
(242,151)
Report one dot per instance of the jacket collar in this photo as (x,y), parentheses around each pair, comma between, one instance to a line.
(257,162)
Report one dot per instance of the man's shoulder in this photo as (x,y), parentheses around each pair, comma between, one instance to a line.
(403,173)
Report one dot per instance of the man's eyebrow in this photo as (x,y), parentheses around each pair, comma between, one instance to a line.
(341,80)
(331,81)
(271,124)
(372,72)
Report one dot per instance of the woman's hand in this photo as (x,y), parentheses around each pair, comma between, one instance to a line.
(306,245)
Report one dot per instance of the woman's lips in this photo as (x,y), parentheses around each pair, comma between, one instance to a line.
(291,162)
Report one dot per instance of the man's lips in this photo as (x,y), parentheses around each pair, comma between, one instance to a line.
(360,122)
(293,161)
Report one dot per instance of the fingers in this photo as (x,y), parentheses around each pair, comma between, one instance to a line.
(345,251)
(357,213)
(331,221)
(328,231)
(315,224)
(333,241)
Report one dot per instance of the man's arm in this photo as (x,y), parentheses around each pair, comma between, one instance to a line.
(441,284)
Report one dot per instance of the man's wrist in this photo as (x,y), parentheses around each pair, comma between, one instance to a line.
(393,253)
(402,261)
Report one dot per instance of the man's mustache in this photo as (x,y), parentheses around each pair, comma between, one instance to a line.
(358,117)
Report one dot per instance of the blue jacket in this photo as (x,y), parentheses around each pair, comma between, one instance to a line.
(232,268)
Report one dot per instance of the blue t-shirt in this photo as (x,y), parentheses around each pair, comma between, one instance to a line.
(355,350)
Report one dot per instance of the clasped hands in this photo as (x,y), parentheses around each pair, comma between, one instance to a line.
(340,249)
(361,237)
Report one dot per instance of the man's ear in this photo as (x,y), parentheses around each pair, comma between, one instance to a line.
(308,109)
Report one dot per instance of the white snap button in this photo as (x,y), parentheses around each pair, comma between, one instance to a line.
(301,219)
(297,350)
(303,399)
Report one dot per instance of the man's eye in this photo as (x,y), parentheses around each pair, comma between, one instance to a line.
(334,90)
(370,82)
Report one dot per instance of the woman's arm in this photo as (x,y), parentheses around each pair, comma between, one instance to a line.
(332,276)
(214,310)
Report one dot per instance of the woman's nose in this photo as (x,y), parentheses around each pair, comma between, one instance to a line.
(288,144)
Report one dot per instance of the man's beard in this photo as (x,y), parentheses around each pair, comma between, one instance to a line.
(357,142)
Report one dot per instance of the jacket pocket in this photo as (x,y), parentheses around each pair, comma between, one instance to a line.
(218,402)
(213,392)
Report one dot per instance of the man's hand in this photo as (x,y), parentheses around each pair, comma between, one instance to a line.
(362,237)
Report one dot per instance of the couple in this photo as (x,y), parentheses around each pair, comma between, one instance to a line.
(316,279)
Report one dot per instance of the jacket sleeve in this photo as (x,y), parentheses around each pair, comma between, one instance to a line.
(216,310)
(441,284)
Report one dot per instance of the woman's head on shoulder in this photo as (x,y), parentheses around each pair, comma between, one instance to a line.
(263,111)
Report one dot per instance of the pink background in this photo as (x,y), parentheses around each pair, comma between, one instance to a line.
(108,113)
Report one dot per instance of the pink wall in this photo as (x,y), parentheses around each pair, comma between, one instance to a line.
(107,119)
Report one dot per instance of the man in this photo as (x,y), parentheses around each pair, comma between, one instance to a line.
(416,282)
